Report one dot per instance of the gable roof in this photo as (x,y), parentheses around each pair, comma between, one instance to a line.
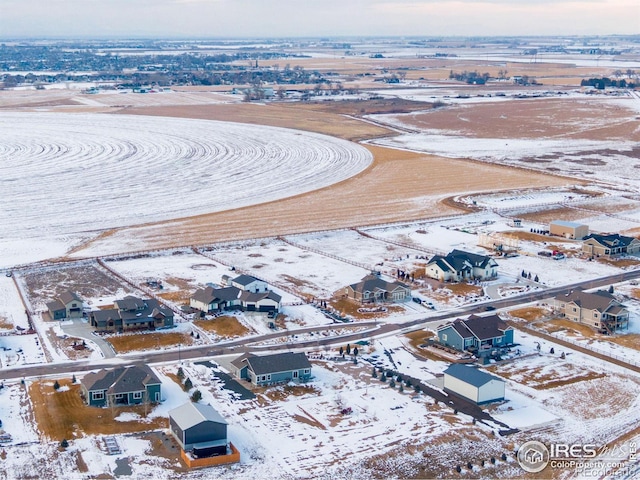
(471,375)
(191,414)
(68,297)
(55,305)
(247,296)
(483,328)
(458,260)
(614,240)
(600,300)
(279,362)
(133,378)
(564,223)
(245,280)
(372,283)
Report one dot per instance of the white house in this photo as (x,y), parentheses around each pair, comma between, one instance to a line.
(473,384)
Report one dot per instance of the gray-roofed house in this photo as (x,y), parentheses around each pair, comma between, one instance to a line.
(130,385)
(473,384)
(607,245)
(488,336)
(131,313)
(269,369)
(199,428)
(373,289)
(458,265)
(243,292)
(599,309)
(66,305)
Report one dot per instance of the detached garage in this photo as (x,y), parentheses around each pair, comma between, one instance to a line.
(199,428)
(473,384)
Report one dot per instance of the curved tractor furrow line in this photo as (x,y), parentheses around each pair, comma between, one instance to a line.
(67,173)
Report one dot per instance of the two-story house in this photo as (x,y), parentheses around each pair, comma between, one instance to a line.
(599,310)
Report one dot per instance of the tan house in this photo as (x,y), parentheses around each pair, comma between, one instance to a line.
(607,245)
(571,230)
(372,289)
(66,305)
(599,310)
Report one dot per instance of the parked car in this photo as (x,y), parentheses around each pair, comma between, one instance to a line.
(417,300)
(559,256)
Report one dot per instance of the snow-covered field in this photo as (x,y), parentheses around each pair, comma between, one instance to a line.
(100,166)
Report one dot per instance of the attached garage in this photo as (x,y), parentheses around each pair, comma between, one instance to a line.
(473,384)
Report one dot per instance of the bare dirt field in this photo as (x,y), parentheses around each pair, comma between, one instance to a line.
(148,341)
(534,118)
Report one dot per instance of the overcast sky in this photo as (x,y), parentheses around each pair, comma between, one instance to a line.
(296,18)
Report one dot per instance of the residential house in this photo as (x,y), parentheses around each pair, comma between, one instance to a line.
(372,288)
(458,265)
(121,386)
(571,230)
(474,384)
(269,369)
(488,336)
(66,305)
(243,292)
(607,245)
(598,309)
(131,313)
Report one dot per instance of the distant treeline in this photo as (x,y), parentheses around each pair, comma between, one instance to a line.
(604,82)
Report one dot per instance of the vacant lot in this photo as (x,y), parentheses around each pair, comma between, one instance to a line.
(148,341)
(223,326)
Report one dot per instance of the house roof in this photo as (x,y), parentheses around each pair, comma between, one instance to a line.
(204,295)
(471,375)
(133,378)
(245,280)
(600,300)
(483,328)
(130,303)
(279,362)
(55,305)
(371,283)
(68,297)
(614,240)
(458,260)
(246,296)
(190,414)
(241,361)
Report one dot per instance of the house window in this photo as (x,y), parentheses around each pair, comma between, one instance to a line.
(98,395)
(137,395)
(307,371)
(444,337)
(575,309)
(263,378)
(119,396)
(595,315)
(268,377)
(295,374)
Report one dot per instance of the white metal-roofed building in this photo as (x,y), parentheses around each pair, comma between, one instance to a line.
(474,384)
(200,427)
(572,230)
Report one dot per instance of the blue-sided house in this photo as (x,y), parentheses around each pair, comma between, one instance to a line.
(65,305)
(130,385)
(269,369)
(473,384)
(482,336)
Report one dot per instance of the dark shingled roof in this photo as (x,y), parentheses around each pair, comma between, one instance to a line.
(470,375)
(279,362)
(483,328)
(133,378)
(55,305)
(600,300)
(256,297)
(371,283)
(614,240)
(244,280)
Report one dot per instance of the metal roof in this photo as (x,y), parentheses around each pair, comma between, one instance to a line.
(191,414)
(471,375)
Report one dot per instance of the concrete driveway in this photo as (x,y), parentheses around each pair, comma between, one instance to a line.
(80,328)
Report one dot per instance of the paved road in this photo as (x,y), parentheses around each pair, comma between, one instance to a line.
(242,345)
(82,329)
